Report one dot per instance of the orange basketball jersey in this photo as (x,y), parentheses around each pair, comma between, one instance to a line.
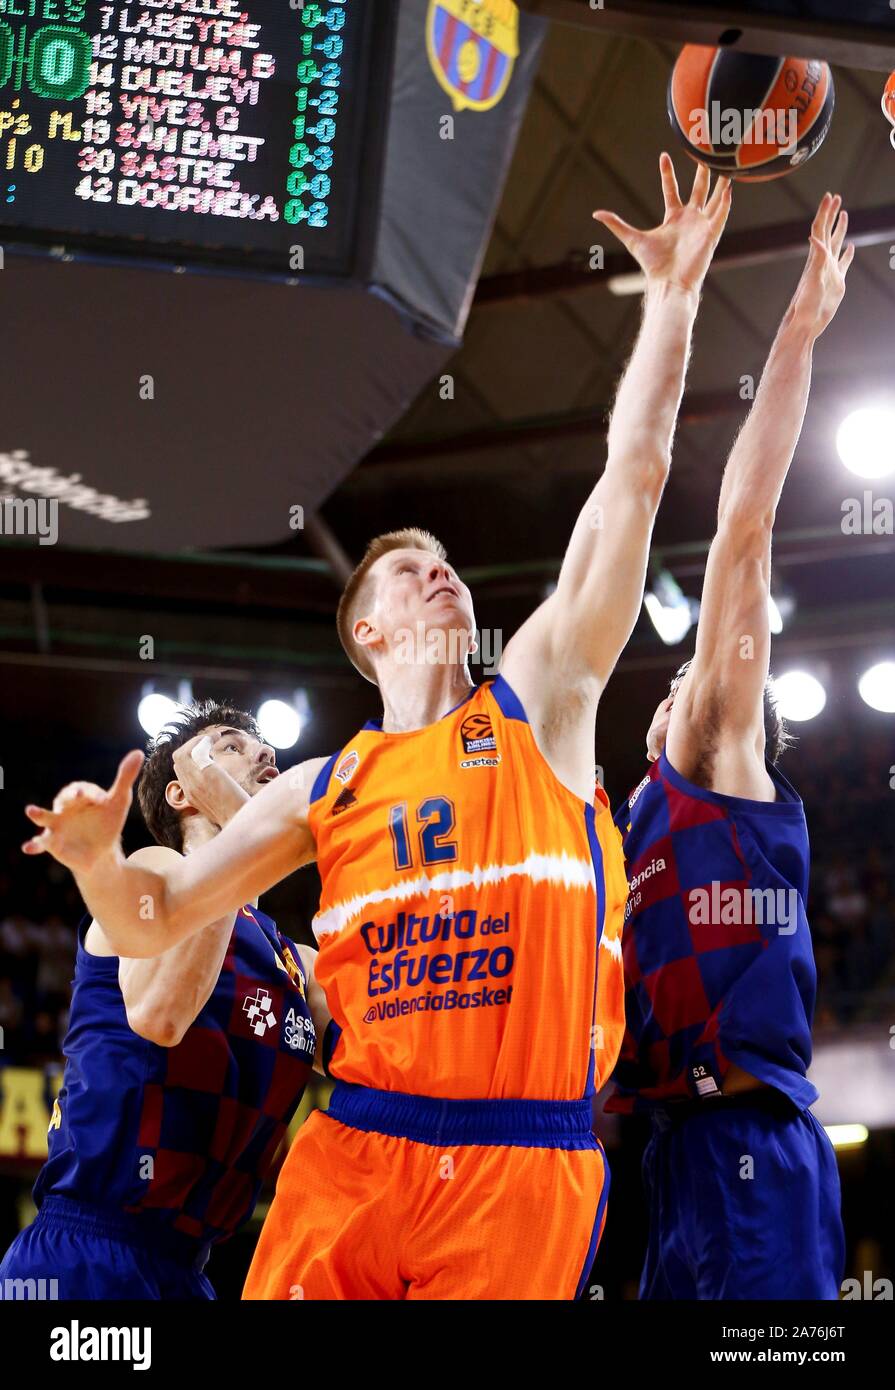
(471,912)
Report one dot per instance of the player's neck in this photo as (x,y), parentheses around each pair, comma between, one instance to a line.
(414,696)
(195,832)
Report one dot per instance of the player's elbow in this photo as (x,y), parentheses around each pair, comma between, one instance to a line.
(745,528)
(645,465)
(648,475)
(156,1024)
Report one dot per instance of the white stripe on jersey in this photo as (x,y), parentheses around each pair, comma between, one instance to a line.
(539,868)
(614,947)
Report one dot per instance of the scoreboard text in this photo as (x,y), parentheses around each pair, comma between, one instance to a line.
(204,123)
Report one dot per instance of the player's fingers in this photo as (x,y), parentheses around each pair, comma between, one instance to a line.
(848,256)
(186,748)
(626,234)
(126,775)
(203,755)
(40,815)
(838,236)
(700,186)
(720,216)
(820,217)
(38,845)
(670,189)
(832,214)
(720,196)
(86,793)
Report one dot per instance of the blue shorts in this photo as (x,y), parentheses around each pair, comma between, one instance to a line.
(743,1201)
(74,1251)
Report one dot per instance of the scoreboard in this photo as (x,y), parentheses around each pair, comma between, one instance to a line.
(345,157)
(230,132)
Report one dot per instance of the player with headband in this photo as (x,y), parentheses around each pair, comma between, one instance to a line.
(461,845)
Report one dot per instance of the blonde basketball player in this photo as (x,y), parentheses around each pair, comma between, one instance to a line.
(473,885)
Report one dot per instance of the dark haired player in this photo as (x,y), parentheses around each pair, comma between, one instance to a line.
(741,1180)
(182,1072)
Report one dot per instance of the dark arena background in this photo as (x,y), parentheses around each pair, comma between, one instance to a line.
(250,322)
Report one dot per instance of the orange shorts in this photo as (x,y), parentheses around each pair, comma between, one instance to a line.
(360,1214)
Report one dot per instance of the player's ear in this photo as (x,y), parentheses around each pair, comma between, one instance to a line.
(175,796)
(366,634)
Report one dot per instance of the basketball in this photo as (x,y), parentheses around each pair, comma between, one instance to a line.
(888,103)
(753,117)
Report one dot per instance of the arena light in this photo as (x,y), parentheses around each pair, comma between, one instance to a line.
(155,711)
(866,441)
(877,687)
(781,607)
(800,696)
(847,1136)
(280,724)
(632,282)
(671,612)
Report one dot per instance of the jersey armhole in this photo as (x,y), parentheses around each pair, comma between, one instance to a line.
(330,1041)
(322,780)
(511,707)
(508,701)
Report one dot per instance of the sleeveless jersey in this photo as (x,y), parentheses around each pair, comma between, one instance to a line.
(183,1135)
(719,966)
(471,912)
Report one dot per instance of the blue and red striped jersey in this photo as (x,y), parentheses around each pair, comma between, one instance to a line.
(719,966)
(183,1135)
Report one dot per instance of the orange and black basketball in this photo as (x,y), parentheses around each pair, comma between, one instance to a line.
(889,99)
(750,116)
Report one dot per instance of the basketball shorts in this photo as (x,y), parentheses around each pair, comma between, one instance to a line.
(391,1196)
(74,1251)
(744,1202)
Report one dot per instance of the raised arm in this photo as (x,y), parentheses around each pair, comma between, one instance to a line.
(146,910)
(568,648)
(716,730)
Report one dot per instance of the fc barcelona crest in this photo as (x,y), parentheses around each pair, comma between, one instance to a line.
(472,46)
(292,967)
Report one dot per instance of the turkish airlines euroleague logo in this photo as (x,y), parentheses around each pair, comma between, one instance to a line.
(477,734)
(347,766)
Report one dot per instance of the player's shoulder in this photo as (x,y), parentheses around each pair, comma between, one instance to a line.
(290,794)
(303,780)
(155,856)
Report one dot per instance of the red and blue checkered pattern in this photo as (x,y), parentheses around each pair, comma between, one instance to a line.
(702,991)
(184,1134)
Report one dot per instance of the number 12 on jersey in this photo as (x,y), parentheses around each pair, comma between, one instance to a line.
(436,819)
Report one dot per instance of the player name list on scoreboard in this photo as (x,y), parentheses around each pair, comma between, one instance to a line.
(209,122)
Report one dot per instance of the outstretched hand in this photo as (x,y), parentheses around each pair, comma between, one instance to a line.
(86,822)
(679,252)
(822,286)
